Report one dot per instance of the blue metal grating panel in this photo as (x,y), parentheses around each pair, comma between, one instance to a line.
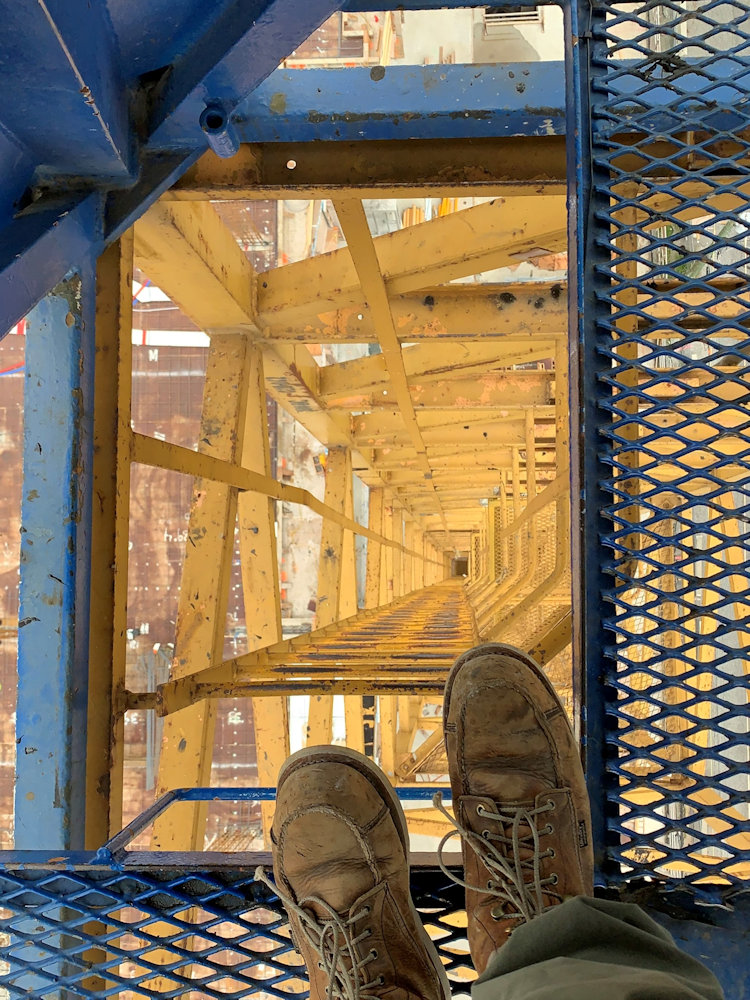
(151,930)
(669,233)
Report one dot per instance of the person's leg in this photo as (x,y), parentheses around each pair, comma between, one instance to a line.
(340,859)
(521,808)
(594,948)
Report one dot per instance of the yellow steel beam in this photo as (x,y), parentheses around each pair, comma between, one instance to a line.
(476,239)
(387,730)
(165,455)
(675,202)
(105,744)
(406,560)
(489,390)
(444,458)
(355,723)
(292,380)
(409,559)
(427,822)
(361,247)
(526,539)
(187,739)
(688,306)
(542,648)
(405,482)
(419,568)
(454,479)
(374,550)
(556,489)
(395,525)
(450,167)
(408,710)
(386,422)
(189,253)
(444,313)
(432,363)
(497,624)
(260,582)
(384,595)
(553,639)
(173,696)
(492,312)
(382,430)
(337,597)
(378,169)
(415,760)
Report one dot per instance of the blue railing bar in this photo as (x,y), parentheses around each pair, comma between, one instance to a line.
(117,844)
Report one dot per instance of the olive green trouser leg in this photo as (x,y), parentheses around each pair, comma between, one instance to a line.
(594,949)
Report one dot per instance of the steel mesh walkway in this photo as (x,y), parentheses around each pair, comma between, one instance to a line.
(405,647)
(155,930)
(665,282)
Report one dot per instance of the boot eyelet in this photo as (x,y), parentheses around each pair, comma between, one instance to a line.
(485,834)
(551,804)
(549,828)
(368,932)
(489,884)
(552,854)
(554,880)
(373,954)
(480,810)
(495,916)
(380,981)
(366,910)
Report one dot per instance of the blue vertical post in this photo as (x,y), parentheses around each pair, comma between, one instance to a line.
(55,535)
(592,572)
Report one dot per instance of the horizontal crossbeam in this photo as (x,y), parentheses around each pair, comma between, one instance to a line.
(477,239)
(165,455)
(405,169)
(415,102)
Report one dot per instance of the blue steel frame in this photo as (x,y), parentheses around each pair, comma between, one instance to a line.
(113,851)
(134,119)
(51,707)
(672,108)
(45,893)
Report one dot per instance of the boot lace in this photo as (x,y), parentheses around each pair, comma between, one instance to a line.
(512,856)
(334,940)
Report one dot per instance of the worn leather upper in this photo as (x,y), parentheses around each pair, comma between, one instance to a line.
(338,846)
(512,754)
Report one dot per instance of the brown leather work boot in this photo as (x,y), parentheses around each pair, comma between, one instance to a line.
(340,860)
(519,795)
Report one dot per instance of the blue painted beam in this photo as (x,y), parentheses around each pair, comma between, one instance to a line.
(16,167)
(64,97)
(71,138)
(245,44)
(406,102)
(55,554)
(159,171)
(38,249)
(366,6)
(718,936)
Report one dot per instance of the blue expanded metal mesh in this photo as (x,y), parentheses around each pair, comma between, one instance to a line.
(667,280)
(189,930)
